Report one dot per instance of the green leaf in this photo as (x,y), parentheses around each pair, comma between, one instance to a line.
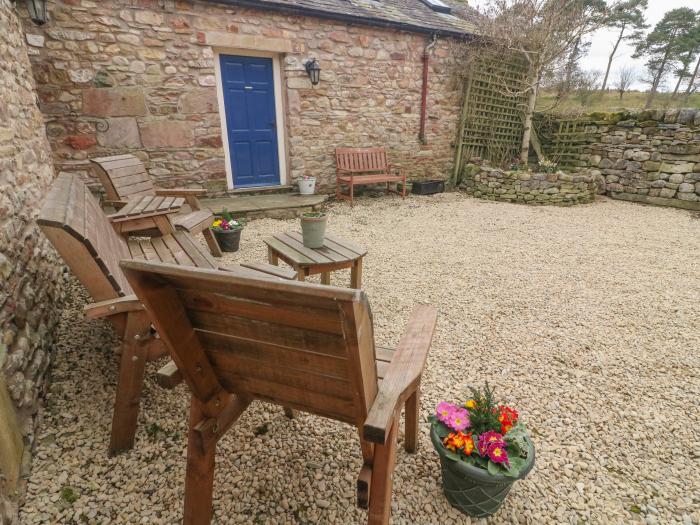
(494,469)
(442,430)
(516,466)
(451,455)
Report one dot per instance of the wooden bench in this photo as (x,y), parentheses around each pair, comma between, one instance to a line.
(71,218)
(358,166)
(310,347)
(124,177)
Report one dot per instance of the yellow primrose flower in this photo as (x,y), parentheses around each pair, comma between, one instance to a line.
(471,404)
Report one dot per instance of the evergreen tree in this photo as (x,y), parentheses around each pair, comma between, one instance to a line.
(690,45)
(664,45)
(628,19)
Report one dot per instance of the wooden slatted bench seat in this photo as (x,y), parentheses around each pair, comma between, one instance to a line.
(358,166)
(71,218)
(124,177)
(235,339)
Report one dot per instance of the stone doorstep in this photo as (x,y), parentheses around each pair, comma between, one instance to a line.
(280,205)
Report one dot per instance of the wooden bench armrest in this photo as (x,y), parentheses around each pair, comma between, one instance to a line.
(114,204)
(181,192)
(342,170)
(403,376)
(120,305)
(396,167)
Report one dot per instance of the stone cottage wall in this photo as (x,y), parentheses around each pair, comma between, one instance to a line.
(30,271)
(119,76)
(650,156)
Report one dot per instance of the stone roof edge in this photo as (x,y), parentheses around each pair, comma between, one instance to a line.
(341,17)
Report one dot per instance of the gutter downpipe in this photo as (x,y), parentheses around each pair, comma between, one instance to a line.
(424,89)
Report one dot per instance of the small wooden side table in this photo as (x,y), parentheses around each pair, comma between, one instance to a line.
(145,213)
(335,254)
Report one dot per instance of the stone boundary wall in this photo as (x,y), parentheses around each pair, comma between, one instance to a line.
(555,189)
(121,76)
(649,156)
(31,274)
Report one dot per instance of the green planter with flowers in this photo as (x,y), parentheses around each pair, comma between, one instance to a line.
(227,231)
(484,449)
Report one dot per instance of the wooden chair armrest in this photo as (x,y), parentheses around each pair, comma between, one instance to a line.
(341,170)
(120,305)
(402,378)
(114,204)
(181,192)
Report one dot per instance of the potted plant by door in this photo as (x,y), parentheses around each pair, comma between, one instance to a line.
(483,449)
(307,185)
(227,231)
(313,228)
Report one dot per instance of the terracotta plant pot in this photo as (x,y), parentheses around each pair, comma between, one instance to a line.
(313,229)
(470,489)
(229,240)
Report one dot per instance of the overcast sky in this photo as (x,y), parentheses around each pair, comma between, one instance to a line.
(602,42)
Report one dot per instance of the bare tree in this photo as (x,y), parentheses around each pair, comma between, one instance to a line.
(587,83)
(625,77)
(542,32)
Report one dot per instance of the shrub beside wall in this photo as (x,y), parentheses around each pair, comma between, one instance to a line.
(557,189)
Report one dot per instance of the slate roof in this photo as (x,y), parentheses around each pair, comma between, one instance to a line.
(409,15)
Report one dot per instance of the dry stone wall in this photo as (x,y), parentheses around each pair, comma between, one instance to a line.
(557,189)
(119,76)
(650,156)
(30,272)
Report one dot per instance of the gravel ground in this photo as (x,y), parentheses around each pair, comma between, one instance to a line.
(586,319)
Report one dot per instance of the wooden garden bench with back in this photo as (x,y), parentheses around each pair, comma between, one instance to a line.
(358,166)
(310,347)
(71,218)
(125,177)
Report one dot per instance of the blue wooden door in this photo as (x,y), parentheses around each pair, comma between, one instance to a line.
(249,102)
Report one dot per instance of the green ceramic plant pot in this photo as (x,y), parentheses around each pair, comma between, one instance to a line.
(313,229)
(472,490)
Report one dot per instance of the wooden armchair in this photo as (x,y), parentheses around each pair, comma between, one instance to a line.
(72,220)
(358,166)
(305,346)
(124,177)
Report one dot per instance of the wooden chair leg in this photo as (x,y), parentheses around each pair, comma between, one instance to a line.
(412,411)
(214,247)
(382,472)
(352,194)
(326,278)
(199,479)
(130,382)
(356,274)
(364,479)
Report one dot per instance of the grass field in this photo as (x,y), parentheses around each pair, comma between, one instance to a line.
(610,101)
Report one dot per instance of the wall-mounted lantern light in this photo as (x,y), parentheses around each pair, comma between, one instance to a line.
(313,70)
(38,11)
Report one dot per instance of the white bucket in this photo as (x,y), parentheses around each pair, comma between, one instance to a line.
(307,186)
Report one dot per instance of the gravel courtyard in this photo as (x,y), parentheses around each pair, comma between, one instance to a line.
(586,319)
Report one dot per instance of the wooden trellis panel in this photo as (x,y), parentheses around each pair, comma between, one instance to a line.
(563,138)
(491,127)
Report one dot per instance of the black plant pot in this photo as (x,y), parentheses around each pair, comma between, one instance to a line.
(229,240)
(427,187)
(470,489)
